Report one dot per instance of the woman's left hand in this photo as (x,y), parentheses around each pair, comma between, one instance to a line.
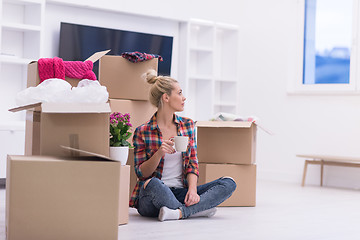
(191,197)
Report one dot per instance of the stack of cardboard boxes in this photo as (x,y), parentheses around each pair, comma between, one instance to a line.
(227,148)
(56,192)
(128,93)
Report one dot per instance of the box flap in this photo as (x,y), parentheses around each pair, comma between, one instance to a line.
(75,108)
(87,153)
(66,107)
(232,124)
(96,56)
(26,107)
(264,129)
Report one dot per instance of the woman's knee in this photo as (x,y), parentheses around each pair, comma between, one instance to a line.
(229,182)
(153,180)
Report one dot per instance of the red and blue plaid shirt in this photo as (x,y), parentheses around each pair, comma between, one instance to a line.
(147,140)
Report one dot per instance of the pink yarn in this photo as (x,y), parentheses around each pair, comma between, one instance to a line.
(50,68)
(79,70)
(57,68)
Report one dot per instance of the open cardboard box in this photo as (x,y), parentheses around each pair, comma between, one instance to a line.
(33,73)
(50,197)
(226,142)
(125,79)
(78,125)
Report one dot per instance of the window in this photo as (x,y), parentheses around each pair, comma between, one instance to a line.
(327,41)
(329,32)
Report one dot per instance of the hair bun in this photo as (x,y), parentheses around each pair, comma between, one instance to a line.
(151,76)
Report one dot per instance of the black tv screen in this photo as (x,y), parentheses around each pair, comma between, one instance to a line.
(78,42)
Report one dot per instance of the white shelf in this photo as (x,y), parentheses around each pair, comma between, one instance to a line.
(201,49)
(14,60)
(21,27)
(225,104)
(227,79)
(24,2)
(200,77)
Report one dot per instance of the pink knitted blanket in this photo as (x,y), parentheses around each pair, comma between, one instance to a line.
(57,68)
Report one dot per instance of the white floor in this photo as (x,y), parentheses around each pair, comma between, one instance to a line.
(283,211)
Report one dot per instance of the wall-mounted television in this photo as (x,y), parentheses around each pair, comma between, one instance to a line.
(78,42)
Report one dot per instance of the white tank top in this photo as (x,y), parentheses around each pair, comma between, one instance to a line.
(172,170)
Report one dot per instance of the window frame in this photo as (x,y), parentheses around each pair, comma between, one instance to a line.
(295,84)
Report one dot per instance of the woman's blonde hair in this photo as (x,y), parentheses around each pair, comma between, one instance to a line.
(160,85)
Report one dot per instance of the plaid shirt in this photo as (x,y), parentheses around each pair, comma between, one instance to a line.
(147,140)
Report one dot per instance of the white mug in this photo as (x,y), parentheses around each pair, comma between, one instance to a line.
(181,143)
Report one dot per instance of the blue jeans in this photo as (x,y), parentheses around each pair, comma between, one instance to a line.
(156,195)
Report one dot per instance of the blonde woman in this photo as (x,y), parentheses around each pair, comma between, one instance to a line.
(167,186)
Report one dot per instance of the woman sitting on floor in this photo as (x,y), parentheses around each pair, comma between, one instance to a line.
(167,186)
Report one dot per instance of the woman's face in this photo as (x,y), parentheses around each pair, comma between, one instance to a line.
(177,99)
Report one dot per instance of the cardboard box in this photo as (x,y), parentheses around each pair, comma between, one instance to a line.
(124,79)
(33,73)
(124,194)
(140,111)
(81,126)
(62,198)
(244,176)
(226,142)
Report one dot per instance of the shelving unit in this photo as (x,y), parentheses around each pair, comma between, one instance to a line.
(21,30)
(210,54)
(21,40)
(22,24)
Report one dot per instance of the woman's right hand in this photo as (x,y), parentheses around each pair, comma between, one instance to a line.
(148,167)
(166,147)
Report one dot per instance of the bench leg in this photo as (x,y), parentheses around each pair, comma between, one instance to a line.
(304,174)
(321,172)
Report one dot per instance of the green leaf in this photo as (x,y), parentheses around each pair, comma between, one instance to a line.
(126,136)
(126,143)
(120,125)
(116,131)
(125,129)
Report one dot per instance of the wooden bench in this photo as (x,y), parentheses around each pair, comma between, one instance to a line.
(323,160)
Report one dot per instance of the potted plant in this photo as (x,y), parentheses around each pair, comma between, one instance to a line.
(119,134)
